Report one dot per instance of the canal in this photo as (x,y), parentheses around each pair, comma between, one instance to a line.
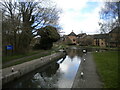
(57,74)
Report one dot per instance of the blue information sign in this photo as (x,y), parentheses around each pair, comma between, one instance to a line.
(9,47)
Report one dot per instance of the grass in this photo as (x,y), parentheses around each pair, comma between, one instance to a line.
(17,56)
(107,67)
(98,47)
(36,54)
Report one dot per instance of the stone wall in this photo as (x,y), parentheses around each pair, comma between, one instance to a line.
(24,68)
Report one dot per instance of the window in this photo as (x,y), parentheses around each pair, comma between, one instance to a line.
(74,40)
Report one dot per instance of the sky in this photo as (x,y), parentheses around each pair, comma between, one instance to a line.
(81,16)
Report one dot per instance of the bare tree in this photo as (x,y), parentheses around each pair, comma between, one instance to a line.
(110,16)
(22,20)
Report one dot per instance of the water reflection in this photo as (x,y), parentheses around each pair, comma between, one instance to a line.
(61,60)
(58,74)
(68,69)
(51,70)
(74,52)
(47,78)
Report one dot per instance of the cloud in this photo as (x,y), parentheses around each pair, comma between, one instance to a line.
(79,15)
(67,4)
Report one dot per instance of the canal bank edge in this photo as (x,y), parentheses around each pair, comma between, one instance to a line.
(78,77)
(90,78)
(24,68)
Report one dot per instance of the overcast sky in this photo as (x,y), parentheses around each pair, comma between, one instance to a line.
(79,16)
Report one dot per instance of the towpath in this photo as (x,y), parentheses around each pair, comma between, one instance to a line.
(90,77)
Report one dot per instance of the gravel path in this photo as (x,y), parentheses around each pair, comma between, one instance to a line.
(90,77)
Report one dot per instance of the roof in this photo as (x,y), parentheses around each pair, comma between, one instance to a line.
(100,36)
(115,30)
(72,34)
(82,34)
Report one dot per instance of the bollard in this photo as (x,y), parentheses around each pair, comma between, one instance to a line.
(12,69)
(81,74)
(84,60)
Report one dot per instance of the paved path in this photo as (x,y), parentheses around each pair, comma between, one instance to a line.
(90,78)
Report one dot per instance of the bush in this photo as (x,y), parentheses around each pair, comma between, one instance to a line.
(37,46)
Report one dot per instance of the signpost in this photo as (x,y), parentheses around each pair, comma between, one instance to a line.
(9,49)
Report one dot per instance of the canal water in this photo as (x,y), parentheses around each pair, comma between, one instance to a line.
(57,74)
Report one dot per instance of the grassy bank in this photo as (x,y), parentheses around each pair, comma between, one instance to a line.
(107,67)
(18,59)
(98,47)
(17,56)
(34,54)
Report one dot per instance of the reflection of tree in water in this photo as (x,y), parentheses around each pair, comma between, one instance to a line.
(71,53)
(47,78)
(51,70)
(43,78)
(74,52)
(79,53)
(26,81)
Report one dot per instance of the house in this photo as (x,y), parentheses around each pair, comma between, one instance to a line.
(114,37)
(71,38)
(81,39)
(85,40)
(100,40)
(81,35)
(111,39)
